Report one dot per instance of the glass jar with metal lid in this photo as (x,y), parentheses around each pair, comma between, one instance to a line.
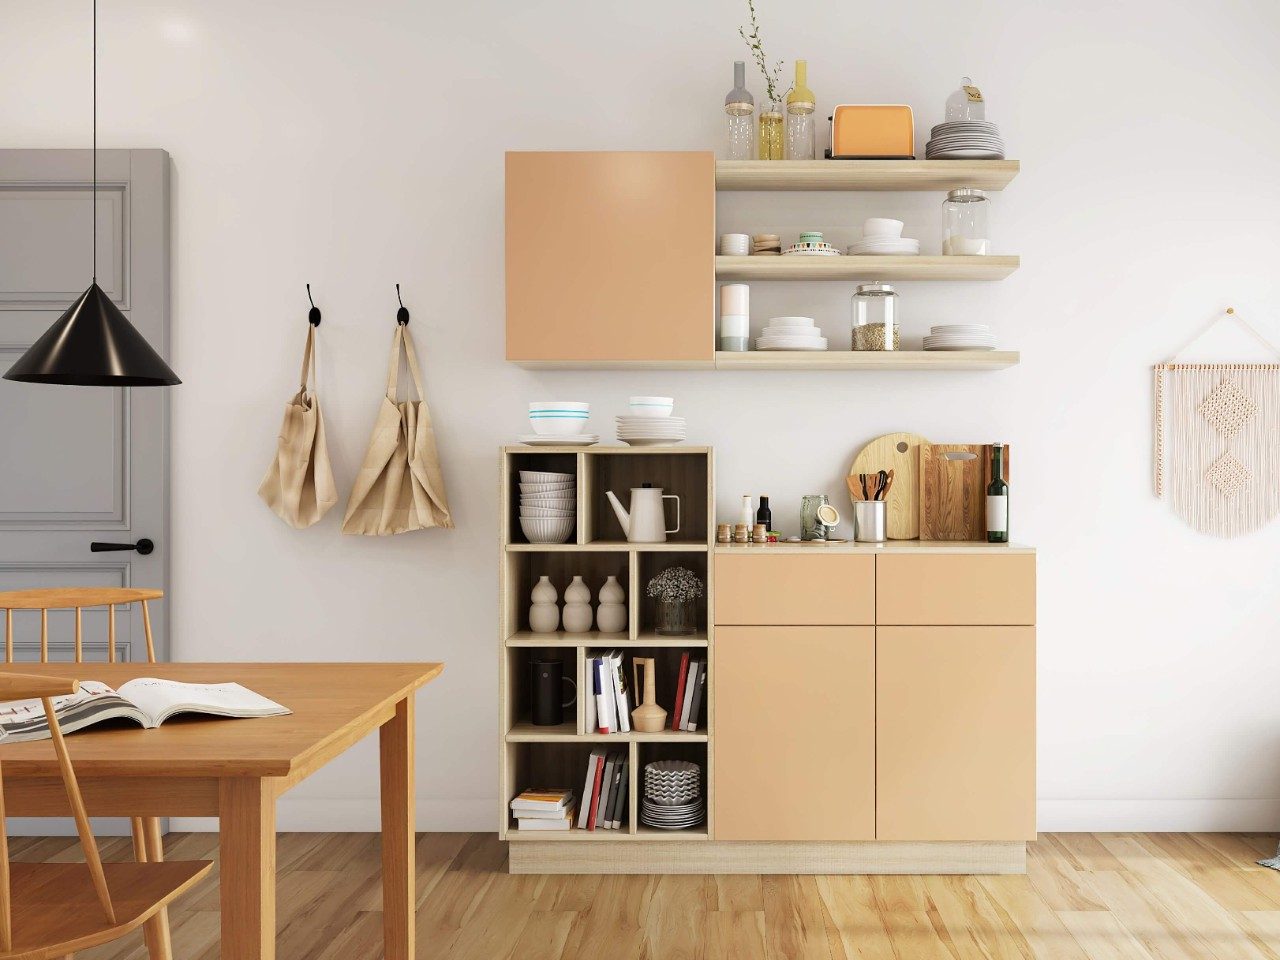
(875,317)
(965,230)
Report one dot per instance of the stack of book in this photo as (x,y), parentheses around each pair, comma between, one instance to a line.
(544,808)
(604,792)
(691,684)
(609,710)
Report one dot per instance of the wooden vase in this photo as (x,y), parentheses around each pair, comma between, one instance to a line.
(648,717)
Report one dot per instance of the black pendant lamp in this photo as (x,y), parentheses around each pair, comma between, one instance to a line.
(93,344)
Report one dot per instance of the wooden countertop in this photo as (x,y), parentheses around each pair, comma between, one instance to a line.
(911,547)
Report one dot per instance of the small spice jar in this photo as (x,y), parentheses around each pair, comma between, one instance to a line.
(965,232)
(741,533)
(723,533)
(875,317)
(759,534)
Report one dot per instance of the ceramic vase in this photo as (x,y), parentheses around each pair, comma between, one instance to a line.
(544,614)
(648,717)
(577,607)
(611,614)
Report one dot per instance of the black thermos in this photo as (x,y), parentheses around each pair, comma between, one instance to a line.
(548,681)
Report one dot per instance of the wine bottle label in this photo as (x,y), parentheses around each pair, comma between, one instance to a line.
(998,514)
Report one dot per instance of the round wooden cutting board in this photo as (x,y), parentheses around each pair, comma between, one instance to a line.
(899,452)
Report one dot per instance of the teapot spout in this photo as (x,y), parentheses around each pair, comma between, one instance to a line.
(624,518)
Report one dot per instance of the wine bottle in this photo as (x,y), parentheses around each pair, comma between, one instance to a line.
(764,515)
(997,498)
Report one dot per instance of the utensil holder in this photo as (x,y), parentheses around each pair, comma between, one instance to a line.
(869,521)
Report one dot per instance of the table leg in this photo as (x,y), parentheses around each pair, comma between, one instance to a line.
(396,748)
(247,871)
(148,847)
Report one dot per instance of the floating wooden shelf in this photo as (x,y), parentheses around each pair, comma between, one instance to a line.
(865,268)
(597,640)
(529,733)
(608,546)
(867,360)
(864,174)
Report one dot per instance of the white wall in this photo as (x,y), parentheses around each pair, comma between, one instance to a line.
(356,145)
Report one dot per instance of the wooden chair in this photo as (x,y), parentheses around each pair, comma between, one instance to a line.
(148,846)
(50,910)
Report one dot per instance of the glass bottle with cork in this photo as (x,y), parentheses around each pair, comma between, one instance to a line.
(801,117)
(997,498)
(739,117)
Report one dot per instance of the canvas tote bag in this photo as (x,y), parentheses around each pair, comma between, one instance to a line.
(299,483)
(399,487)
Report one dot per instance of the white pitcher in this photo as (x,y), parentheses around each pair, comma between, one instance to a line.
(645,523)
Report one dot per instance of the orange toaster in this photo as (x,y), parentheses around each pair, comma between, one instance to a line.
(872,131)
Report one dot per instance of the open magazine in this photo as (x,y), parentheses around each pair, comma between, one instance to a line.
(146,700)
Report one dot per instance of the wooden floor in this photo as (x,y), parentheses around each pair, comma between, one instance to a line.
(1085,897)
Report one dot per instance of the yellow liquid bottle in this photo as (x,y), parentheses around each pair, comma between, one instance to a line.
(802,107)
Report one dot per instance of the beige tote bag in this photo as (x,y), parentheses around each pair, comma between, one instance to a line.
(399,487)
(299,483)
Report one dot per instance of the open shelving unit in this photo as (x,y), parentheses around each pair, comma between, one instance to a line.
(546,756)
(867,360)
(864,174)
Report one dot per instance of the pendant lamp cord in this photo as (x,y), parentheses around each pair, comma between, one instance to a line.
(94,271)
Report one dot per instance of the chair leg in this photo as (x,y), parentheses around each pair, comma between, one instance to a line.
(148,847)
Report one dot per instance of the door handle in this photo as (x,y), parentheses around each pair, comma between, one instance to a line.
(143,546)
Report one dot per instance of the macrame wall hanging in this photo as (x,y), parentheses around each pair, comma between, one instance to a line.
(1217,439)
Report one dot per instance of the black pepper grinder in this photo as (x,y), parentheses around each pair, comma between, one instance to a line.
(763,515)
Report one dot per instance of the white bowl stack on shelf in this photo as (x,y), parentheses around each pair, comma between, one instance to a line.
(650,423)
(791,333)
(557,422)
(965,140)
(672,795)
(548,505)
(882,237)
(960,336)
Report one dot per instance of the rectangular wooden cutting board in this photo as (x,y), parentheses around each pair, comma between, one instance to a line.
(953,480)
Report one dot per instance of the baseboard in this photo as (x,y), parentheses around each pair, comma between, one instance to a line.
(363,815)
(1158,816)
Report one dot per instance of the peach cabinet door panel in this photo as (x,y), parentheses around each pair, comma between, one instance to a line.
(791,589)
(610,256)
(795,733)
(955,733)
(950,590)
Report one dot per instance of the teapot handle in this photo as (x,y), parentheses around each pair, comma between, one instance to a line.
(672,496)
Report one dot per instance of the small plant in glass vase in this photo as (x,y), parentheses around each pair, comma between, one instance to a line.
(677,590)
(774,91)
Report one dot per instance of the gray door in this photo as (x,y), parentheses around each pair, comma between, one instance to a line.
(79,464)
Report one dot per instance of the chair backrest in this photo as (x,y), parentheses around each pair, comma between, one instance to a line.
(77,598)
(18,686)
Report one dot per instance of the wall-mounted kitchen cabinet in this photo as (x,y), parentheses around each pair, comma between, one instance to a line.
(610,259)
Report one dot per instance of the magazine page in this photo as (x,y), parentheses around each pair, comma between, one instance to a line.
(160,699)
(95,701)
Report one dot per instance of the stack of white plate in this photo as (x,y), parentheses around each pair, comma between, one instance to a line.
(548,503)
(885,247)
(960,336)
(672,795)
(965,140)
(791,333)
(646,431)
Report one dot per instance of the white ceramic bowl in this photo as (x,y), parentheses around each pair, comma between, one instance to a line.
(562,488)
(542,513)
(882,227)
(557,424)
(652,406)
(547,504)
(576,406)
(546,531)
(541,476)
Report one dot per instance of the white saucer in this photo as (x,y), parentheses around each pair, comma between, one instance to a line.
(577,440)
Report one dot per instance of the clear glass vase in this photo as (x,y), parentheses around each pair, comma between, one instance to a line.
(677,618)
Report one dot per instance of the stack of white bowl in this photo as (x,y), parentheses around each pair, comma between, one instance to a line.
(882,237)
(650,422)
(735,244)
(672,795)
(559,421)
(960,336)
(548,505)
(791,333)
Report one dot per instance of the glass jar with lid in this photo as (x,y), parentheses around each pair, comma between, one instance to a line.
(875,317)
(966,104)
(739,117)
(965,230)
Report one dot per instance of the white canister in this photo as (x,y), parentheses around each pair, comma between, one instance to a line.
(735,244)
(735,300)
(735,333)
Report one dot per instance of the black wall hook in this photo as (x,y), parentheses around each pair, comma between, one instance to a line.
(402,315)
(313,315)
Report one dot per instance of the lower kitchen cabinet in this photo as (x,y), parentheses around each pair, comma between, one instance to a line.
(795,721)
(955,733)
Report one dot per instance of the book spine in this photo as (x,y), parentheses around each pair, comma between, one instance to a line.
(606,791)
(691,723)
(620,691)
(588,694)
(584,805)
(602,699)
(595,791)
(620,803)
(675,708)
(689,687)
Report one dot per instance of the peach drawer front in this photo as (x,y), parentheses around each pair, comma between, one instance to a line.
(956,590)
(795,733)
(955,733)
(795,590)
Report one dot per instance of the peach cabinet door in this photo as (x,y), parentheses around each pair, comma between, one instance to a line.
(795,733)
(611,256)
(955,733)
(950,590)
(789,588)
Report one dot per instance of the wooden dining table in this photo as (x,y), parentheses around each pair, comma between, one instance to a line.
(236,769)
